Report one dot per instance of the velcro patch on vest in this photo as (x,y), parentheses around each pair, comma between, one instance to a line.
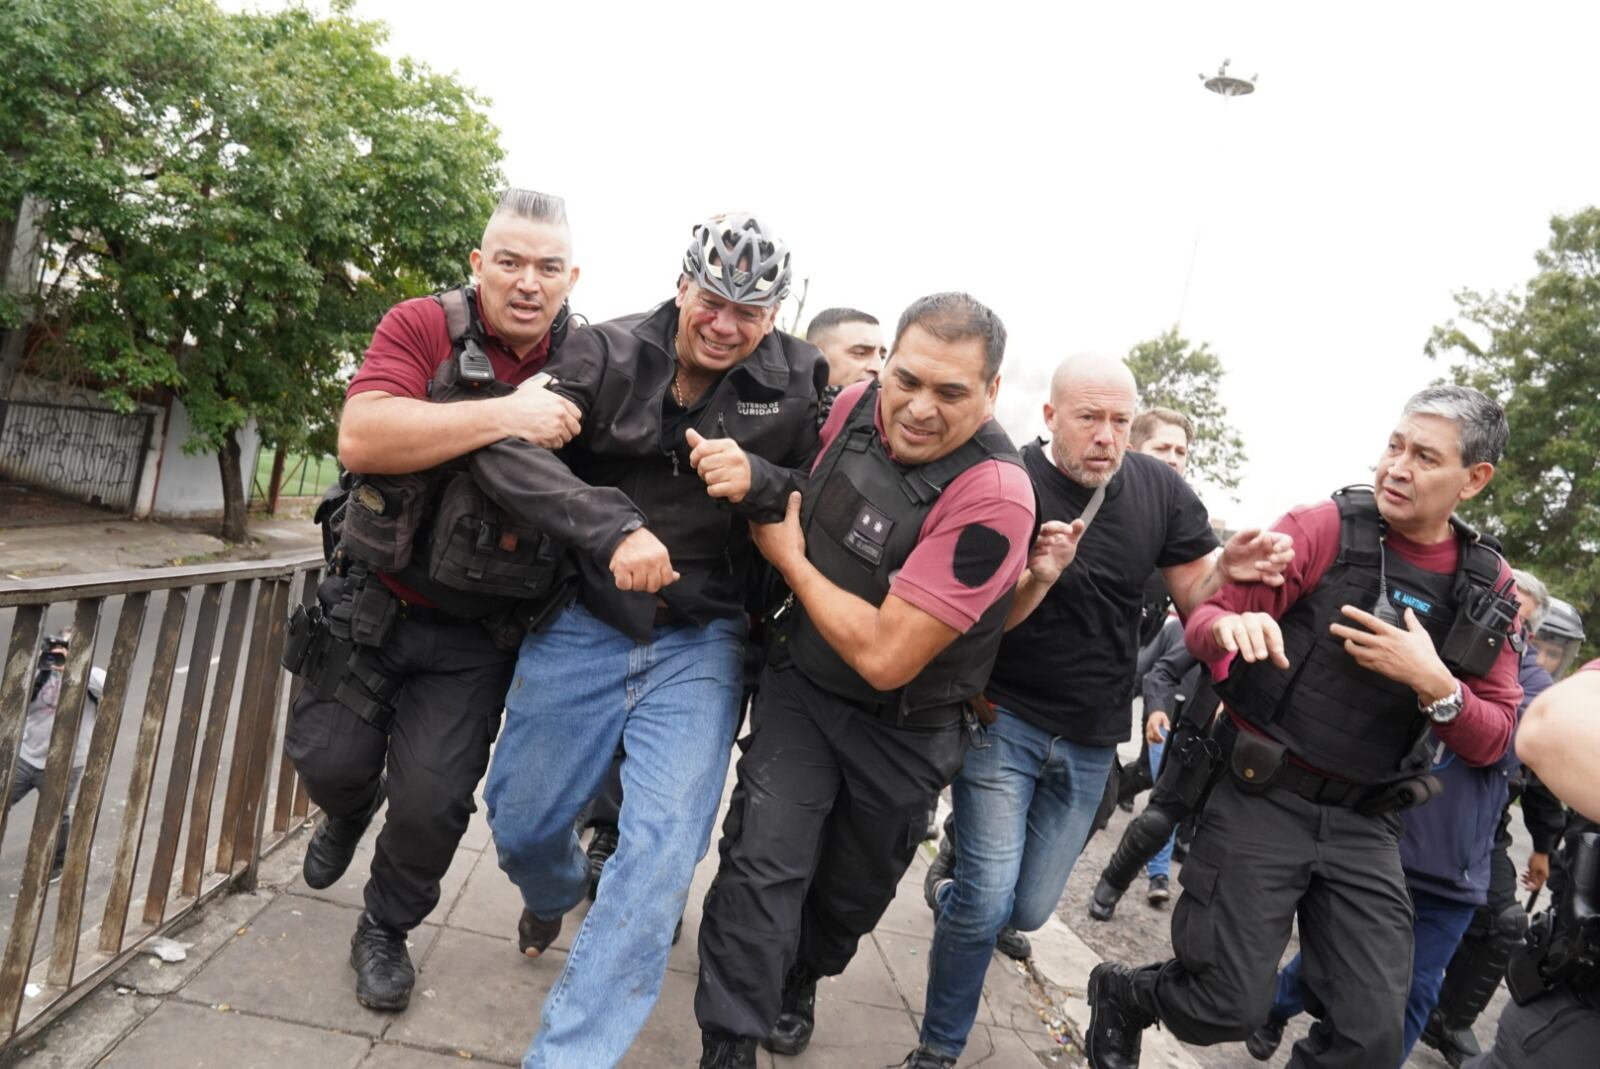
(1407,600)
(980,551)
(508,542)
(869,534)
(756,408)
(370,498)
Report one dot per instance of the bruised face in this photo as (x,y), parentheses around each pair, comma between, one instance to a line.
(1421,479)
(1169,445)
(933,396)
(714,333)
(524,273)
(854,351)
(1089,421)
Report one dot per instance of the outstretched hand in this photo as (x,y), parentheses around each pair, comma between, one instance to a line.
(1054,549)
(1255,636)
(1257,556)
(1403,654)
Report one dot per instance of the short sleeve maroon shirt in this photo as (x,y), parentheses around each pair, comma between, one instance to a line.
(993,494)
(412,341)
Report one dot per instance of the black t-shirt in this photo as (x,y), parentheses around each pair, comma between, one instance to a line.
(1066,667)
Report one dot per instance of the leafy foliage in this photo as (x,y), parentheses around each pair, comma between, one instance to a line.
(1174,373)
(232,200)
(1538,352)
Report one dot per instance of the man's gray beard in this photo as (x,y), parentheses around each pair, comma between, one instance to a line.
(1083,477)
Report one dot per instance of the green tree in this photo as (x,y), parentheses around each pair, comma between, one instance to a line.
(1537,351)
(1175,373)
(232,200)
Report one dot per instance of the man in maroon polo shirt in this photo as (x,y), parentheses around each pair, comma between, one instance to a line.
(429,749)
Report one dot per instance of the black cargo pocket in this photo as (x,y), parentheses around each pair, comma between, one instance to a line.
(310,724)
(1194,920)
(475,547)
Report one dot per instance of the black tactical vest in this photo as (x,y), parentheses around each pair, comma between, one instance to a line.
(436,531)
(862,516)
(1336,716)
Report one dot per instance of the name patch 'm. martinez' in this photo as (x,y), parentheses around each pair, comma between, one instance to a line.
(1416,603)
(757,408)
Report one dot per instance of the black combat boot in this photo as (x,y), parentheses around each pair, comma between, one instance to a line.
(1104,902)
(334,843)
(792,1031)
(601,846)
(1263,1042)
(384,975)
(718,1050)
(1454,1041)
(1121,1006)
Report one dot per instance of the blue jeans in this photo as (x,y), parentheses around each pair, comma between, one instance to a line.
(673,703)
(1161,864)
(1024,803)
(1440,924)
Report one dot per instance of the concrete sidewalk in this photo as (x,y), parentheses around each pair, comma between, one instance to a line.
(267,984)
(97,541)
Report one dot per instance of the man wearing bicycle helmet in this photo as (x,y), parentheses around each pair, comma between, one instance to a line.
(705,418)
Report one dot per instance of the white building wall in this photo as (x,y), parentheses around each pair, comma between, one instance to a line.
(190,485)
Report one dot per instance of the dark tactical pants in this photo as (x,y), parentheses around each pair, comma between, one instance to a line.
(447,715)
(1257,861)
(824,820)
(1560,1030)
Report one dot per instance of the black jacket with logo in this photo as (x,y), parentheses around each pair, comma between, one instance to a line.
(618,374)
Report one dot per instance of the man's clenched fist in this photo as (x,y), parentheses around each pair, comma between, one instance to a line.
(640,562)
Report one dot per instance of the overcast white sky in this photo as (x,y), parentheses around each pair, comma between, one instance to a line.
(1059,162)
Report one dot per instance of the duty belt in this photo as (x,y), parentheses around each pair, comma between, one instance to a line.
(1288,776)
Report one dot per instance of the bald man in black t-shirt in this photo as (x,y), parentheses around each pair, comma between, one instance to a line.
(1024,802)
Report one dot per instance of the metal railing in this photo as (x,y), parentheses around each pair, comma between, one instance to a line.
(93,455)
(226,747)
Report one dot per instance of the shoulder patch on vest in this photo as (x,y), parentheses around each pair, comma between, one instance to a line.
(980,551)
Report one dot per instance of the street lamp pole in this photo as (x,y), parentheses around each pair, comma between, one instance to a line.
(1227,87)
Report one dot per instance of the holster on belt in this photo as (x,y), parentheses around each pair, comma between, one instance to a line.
(1395,797)
(312,651)
(1195,761)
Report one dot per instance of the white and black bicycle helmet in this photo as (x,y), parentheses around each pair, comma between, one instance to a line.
(736,257)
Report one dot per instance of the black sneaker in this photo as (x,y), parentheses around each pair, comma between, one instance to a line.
(1104,902)
(1159,890)
(941,870)
(923,1058)
(534,935)
(792,1032)
(601,847)
(1263,1042)
(1013,944)
(718,1050)
(334,843)
(384,974)
(55,872)
(1116,1020)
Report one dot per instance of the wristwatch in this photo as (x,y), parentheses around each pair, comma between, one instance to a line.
(1446,708)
